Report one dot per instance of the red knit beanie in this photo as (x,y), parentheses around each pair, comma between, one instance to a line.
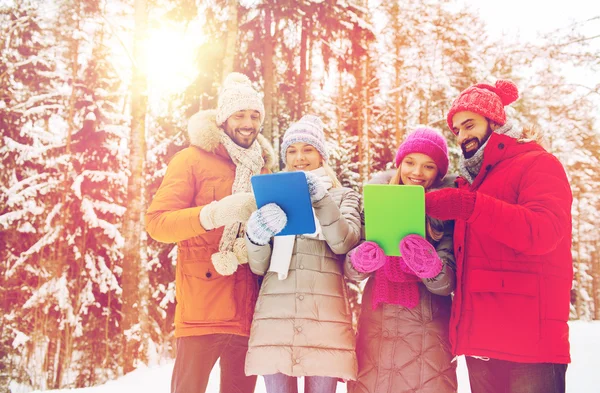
(429,142)
(485,100)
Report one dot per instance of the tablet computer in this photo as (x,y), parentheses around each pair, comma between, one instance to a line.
(289,191)
(392,212)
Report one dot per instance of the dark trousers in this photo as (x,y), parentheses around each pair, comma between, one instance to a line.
(196,357)
(281,383)
(500,376)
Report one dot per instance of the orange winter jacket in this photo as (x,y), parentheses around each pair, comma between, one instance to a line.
(207,303)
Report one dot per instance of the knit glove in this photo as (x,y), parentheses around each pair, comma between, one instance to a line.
(367,257)
(420,256)
(265,223)
(316,189)
(450,204)
(229,210)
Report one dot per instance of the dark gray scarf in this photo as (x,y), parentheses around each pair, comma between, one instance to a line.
(469,167)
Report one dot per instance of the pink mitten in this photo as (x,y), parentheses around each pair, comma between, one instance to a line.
(420,256)
(367,257)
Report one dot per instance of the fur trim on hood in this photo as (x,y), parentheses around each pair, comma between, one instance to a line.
(534,134)
(205,134)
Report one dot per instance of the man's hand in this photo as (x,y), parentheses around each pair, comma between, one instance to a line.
(233,208)
(450,204)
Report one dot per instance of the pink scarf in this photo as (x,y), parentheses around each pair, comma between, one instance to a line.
(396,283)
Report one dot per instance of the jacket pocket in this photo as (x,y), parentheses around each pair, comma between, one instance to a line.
(505,312)
(207,296)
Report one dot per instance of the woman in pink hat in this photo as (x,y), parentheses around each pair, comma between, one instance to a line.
(402,342)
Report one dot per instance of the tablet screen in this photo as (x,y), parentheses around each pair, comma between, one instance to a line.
(289,191)
(392,212)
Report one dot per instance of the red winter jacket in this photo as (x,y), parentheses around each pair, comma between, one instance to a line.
(513,257)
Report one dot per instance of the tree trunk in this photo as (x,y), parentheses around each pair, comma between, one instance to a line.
(596,280)
(399,116)
(308,77)
(366,167)
(338,107)
(398,42)
(268,77)
(55,367)
(578,261)
(134,276)
(231,38)
(301,72)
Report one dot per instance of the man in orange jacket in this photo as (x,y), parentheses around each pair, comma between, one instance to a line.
(512,242)
(202,205)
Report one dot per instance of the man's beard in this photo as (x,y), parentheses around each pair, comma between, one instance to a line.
(471,153)
(236,133)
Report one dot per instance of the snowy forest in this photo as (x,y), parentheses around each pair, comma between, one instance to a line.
(94,101)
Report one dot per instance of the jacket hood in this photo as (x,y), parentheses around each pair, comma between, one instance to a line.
(533,134)
(205,134)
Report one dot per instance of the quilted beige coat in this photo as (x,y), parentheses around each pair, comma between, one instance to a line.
(403,350)
(302,325)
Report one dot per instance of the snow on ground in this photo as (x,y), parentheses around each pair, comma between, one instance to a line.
(582,374)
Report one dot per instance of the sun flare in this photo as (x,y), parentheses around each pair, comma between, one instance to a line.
(170,54)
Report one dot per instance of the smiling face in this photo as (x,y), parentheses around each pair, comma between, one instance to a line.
(417,169)
(472,131)
(301,156)
(243,127)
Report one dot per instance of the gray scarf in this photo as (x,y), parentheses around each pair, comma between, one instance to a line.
(469,167)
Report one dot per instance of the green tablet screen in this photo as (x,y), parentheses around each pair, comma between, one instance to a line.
(392,212)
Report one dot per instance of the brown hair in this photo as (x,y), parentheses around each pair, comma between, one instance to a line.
(434,234)
(335,183)
(331,173)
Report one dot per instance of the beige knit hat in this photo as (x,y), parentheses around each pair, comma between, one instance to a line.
(237,94)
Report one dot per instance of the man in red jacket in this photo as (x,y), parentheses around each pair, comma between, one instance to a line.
(512,241)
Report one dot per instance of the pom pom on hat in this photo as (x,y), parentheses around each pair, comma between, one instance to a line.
(309,129)
(236,77)
(486,100)
(507,91)
(237,94)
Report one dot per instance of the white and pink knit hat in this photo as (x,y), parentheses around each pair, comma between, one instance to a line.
(309,129)
(237,94)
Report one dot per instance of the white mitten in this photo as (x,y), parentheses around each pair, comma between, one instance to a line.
(315,187)
(265,223)
(233,208)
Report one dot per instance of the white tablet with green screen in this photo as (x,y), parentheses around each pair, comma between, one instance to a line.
(391,213)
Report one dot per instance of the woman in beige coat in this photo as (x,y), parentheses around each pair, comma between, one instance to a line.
(302,323)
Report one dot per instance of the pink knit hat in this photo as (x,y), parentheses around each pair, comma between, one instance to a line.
(485,100)
(429,142)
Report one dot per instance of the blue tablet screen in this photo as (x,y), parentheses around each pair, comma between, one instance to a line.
(290,192)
